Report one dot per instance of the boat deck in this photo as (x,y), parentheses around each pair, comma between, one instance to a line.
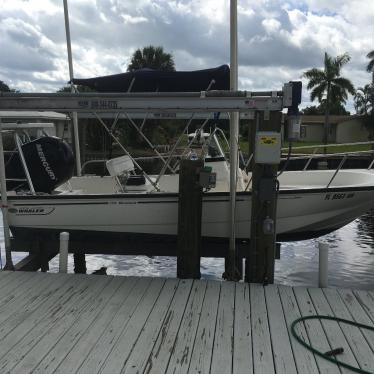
(70,323)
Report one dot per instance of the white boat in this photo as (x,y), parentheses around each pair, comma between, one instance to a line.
(310,203)
(306,208)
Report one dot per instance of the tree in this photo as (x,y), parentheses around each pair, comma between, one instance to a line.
(370,66)
(78,87)
(364,105)
(364,100)
(312,110)
(329,85)
(335,108)
(5,88)
(153,58)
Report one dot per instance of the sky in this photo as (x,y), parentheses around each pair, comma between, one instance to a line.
(278,40)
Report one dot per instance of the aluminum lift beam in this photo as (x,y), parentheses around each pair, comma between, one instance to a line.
(206,101)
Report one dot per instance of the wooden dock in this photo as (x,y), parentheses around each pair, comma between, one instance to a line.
(70,323)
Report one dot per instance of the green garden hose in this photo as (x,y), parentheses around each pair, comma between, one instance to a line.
(327,355)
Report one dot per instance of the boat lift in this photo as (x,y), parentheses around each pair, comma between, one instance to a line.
(128,103)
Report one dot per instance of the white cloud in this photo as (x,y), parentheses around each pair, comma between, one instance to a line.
(278,40)
(271,25)
(133,20)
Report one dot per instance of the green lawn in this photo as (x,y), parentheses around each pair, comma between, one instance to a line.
(335,149)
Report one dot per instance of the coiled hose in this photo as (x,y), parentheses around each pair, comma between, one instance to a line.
(327,355)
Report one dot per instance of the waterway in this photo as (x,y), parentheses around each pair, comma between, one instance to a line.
(351,260)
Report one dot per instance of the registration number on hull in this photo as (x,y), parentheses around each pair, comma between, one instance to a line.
(339,196)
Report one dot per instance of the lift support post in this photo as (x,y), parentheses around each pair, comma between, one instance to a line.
(261,256)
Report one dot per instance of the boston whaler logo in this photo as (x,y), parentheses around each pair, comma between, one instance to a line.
(45,162)
(37,210)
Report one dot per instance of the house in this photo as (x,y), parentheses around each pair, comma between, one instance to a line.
(62,128)
(342,129)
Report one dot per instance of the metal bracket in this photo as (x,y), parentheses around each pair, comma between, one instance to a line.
(23,161)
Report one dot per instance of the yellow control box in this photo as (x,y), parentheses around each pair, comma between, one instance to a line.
(268,147)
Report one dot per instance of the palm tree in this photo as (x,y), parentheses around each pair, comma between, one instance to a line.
(364,105)
(370,66)
(153,58)
(364,100)
(328,85)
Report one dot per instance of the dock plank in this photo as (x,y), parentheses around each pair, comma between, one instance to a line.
(17,315)
(13,281)
(203,348)
(181,355)
(304,359)
(159,356)
(354,336)
(120,352)
(28,332)
(98,353)
(223,338)
(358,313)
(25,298)
(315,330)
(140,352)
(242,359)
(283,356)
(60,328)
(66,323)
(332,329)
(14,292)
(4,274)
(366,302)
(261,342)
(72,361)
(97,315)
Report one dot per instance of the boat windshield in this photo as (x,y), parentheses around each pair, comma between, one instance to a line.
(209,143)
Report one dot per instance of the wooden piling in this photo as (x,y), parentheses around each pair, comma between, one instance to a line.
(80,263)
(261,257)
(189,220)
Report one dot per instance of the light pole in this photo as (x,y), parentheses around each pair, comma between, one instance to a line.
(234,134)
(71,74)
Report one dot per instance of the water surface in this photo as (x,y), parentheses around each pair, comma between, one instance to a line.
(351,260)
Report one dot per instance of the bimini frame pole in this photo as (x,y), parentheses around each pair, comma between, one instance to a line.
(234,133)
(4,207)
(71,74)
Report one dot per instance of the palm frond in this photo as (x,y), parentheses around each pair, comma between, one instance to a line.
(320,80)
(318,92)
(315,76)
(370,66)
(370,54)
(151,57)
(344,84)
(328,65)
(364,99)
(334,65)
(341,60)
(338,94)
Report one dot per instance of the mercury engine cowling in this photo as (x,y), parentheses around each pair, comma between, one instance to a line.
(50,162)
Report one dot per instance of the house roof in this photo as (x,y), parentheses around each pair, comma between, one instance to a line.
(320,119)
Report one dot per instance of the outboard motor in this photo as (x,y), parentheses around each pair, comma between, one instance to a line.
(50,162)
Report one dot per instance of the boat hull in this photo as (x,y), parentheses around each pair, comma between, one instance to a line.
(300,213)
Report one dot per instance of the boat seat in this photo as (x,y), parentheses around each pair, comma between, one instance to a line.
(119,165)
(135,180)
